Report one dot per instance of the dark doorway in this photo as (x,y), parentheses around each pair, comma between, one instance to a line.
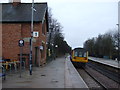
(36,56)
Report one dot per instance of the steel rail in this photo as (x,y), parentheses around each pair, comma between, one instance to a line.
(100,83)
(112,75)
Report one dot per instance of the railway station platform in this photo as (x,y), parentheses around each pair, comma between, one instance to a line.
(59,73)
(108,62)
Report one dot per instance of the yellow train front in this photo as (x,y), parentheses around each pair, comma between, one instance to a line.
(79,57)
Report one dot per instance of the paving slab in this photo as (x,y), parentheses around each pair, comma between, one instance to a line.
(59,73)
(74,80)
(109,62)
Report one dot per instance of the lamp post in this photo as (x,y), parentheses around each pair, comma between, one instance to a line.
(30,58)
(56,46)
(118,50)
(50,36)
(53,51)
(118,43)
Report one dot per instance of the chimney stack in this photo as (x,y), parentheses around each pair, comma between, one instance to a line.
(15,2)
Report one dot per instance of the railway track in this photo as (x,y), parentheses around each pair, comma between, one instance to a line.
(111,73)
(90,81)
(103,81)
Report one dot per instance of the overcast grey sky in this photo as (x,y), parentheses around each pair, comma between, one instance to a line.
(83,19)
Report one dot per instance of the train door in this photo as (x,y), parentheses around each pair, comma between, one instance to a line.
(36,56)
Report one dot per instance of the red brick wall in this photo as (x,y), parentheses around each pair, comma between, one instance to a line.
(11,33)
(26,34)
(14,32)
(42,38)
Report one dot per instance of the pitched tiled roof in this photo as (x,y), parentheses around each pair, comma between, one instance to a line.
(22,12)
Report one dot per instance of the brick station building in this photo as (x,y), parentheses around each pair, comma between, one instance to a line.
(16,25)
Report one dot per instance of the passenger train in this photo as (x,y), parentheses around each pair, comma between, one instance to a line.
(79,57)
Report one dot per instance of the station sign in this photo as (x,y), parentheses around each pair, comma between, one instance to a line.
(41,47)
(21,43)
(35,34)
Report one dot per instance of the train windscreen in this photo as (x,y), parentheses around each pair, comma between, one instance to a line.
(79,54)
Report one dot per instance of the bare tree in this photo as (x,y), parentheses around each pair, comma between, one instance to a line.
(55,35)
(103,45)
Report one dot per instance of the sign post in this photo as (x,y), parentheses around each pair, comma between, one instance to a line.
(33,34)
(31,39)
(21,44)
